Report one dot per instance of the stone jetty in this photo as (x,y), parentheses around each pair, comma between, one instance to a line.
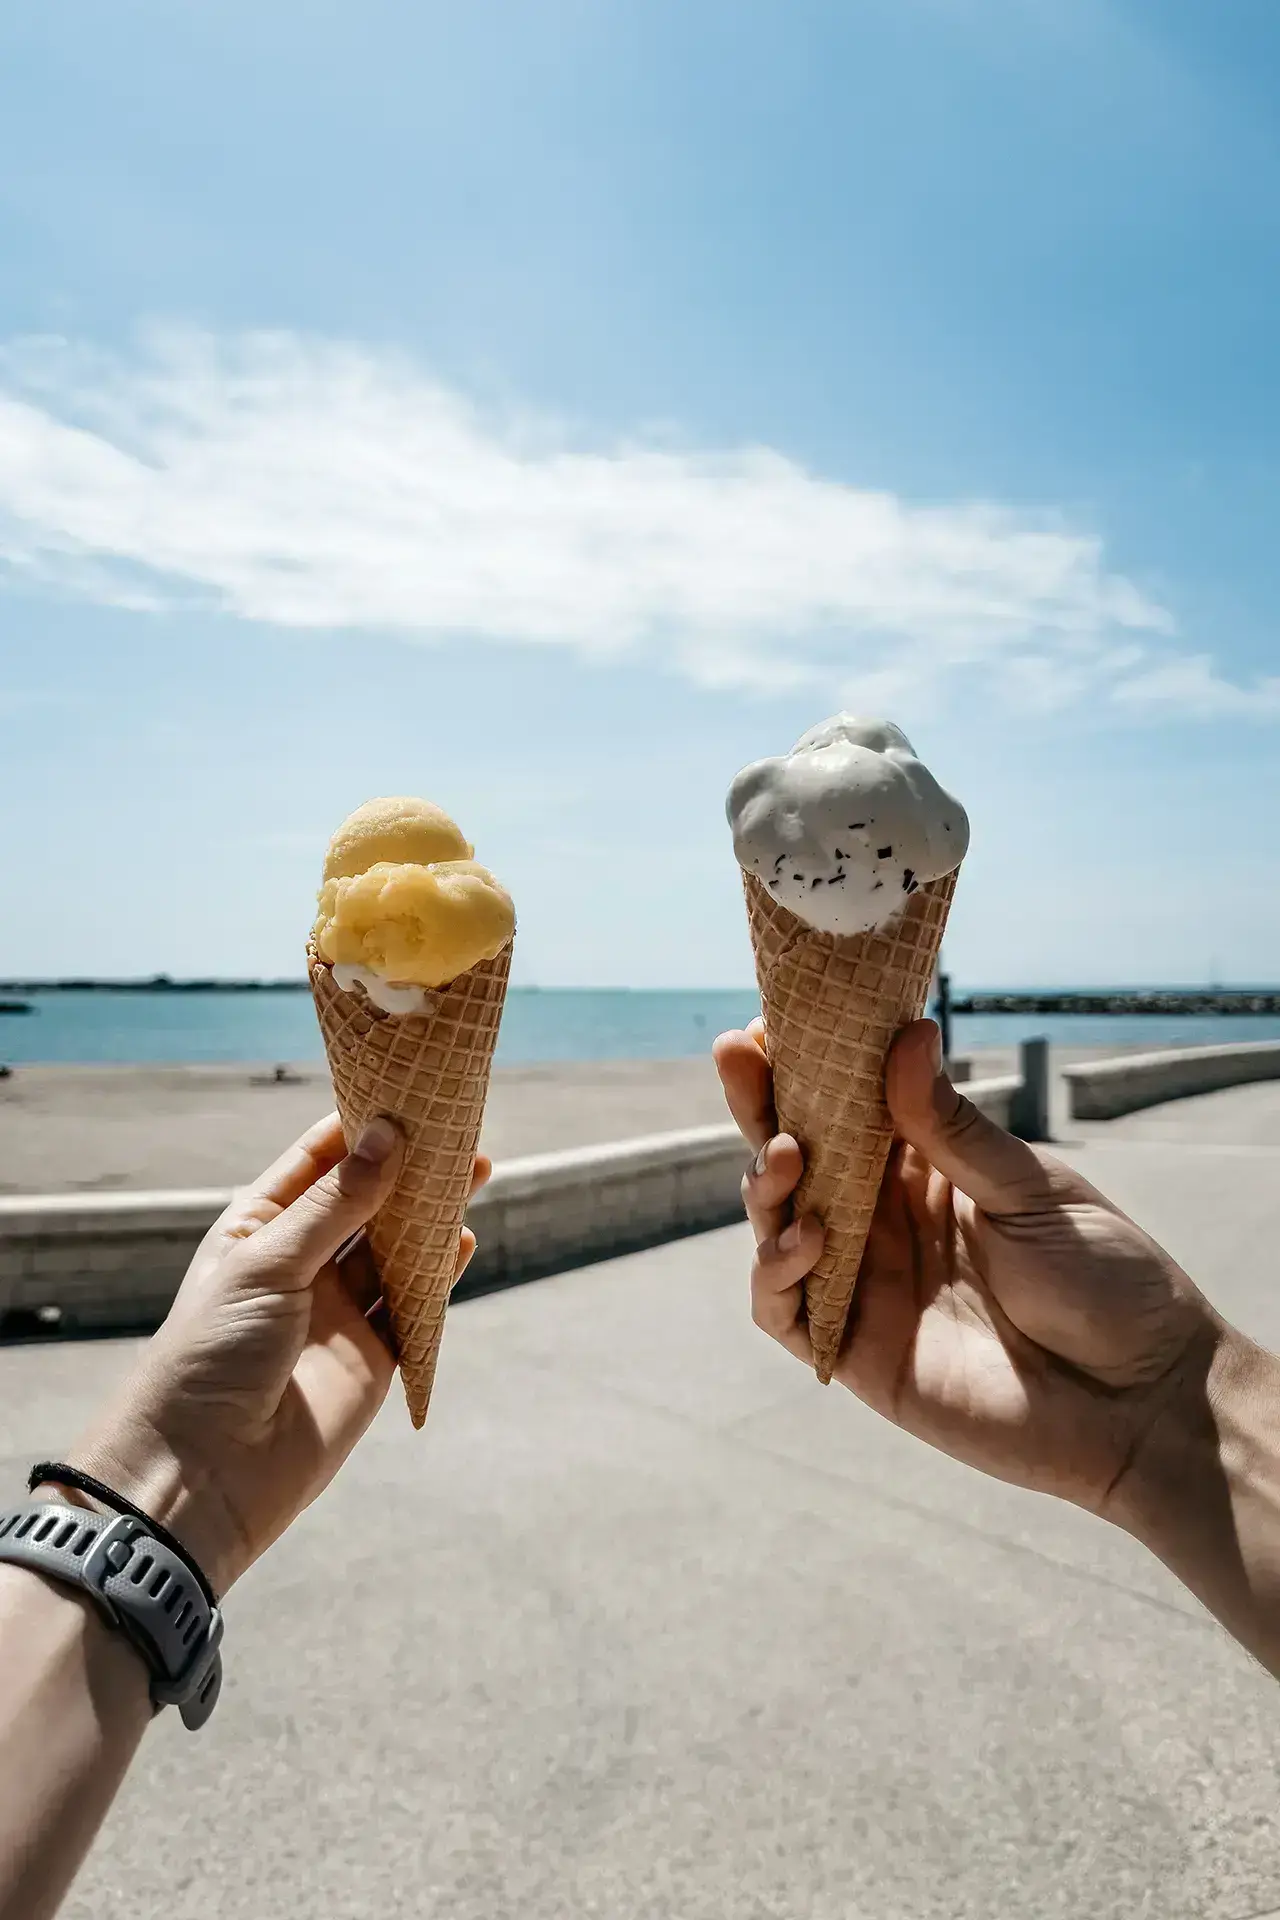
(1170,1001)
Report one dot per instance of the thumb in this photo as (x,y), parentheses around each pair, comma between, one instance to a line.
(323,1218)
(998,1173)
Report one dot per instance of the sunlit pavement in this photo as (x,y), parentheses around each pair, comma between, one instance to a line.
(648,1624)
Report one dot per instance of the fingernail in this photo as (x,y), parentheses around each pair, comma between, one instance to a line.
(789,1238)
(762,1158)
(377,1138)
(935,1050)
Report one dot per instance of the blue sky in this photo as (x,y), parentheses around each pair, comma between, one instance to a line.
(548,407)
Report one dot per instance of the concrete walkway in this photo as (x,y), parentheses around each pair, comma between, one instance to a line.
(648,1626)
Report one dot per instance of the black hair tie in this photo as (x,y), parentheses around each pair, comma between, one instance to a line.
(55,1473)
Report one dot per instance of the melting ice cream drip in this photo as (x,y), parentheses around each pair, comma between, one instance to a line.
(392,996)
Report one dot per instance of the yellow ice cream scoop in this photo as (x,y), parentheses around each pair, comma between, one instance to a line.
(401,829)
(415,925)
(404,906)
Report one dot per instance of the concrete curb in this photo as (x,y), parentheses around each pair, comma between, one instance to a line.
(1104,1089)
(90,1263)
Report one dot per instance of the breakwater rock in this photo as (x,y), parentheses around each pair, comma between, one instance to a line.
(1173,1000)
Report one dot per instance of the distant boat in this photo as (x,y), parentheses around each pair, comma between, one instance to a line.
(16,1006)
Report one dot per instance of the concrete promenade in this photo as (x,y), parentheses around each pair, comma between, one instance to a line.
(647,1626)
(104,1129)
(88,1129)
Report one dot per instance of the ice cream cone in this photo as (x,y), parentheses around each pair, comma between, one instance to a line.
(430,1073)
(832,1004)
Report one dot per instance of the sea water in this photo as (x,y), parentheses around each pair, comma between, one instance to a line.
(270,1024)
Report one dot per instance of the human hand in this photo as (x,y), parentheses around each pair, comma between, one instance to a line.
(272,1362)
(1005,1310)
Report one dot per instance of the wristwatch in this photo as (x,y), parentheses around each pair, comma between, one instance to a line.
(146,1591)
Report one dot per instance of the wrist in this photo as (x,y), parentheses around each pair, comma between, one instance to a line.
(137,1460)
(1212,1429)
(1204,1493)
(58,1620)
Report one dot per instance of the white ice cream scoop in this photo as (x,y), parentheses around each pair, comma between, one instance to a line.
(844,828)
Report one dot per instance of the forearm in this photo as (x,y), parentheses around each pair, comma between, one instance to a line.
(74,1705)
(1206,1498)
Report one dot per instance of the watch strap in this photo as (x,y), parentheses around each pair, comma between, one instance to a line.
(145,1589)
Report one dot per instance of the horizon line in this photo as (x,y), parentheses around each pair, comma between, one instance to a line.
(267,983)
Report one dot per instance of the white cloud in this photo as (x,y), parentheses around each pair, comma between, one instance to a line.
(1191,683)
(310,484)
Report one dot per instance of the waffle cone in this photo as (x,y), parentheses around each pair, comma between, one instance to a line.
(832,1005)
(430,1073)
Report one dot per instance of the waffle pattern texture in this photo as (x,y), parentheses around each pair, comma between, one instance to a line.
(832,1005)
(430,1073)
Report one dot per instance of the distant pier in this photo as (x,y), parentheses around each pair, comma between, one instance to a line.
(155,983)
(1215,1000)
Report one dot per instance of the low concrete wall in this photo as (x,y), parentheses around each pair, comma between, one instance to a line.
(1103,1089)
(998,1099)
(86,1264)
(556,1210)
(1016,1101)
(109,1260)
